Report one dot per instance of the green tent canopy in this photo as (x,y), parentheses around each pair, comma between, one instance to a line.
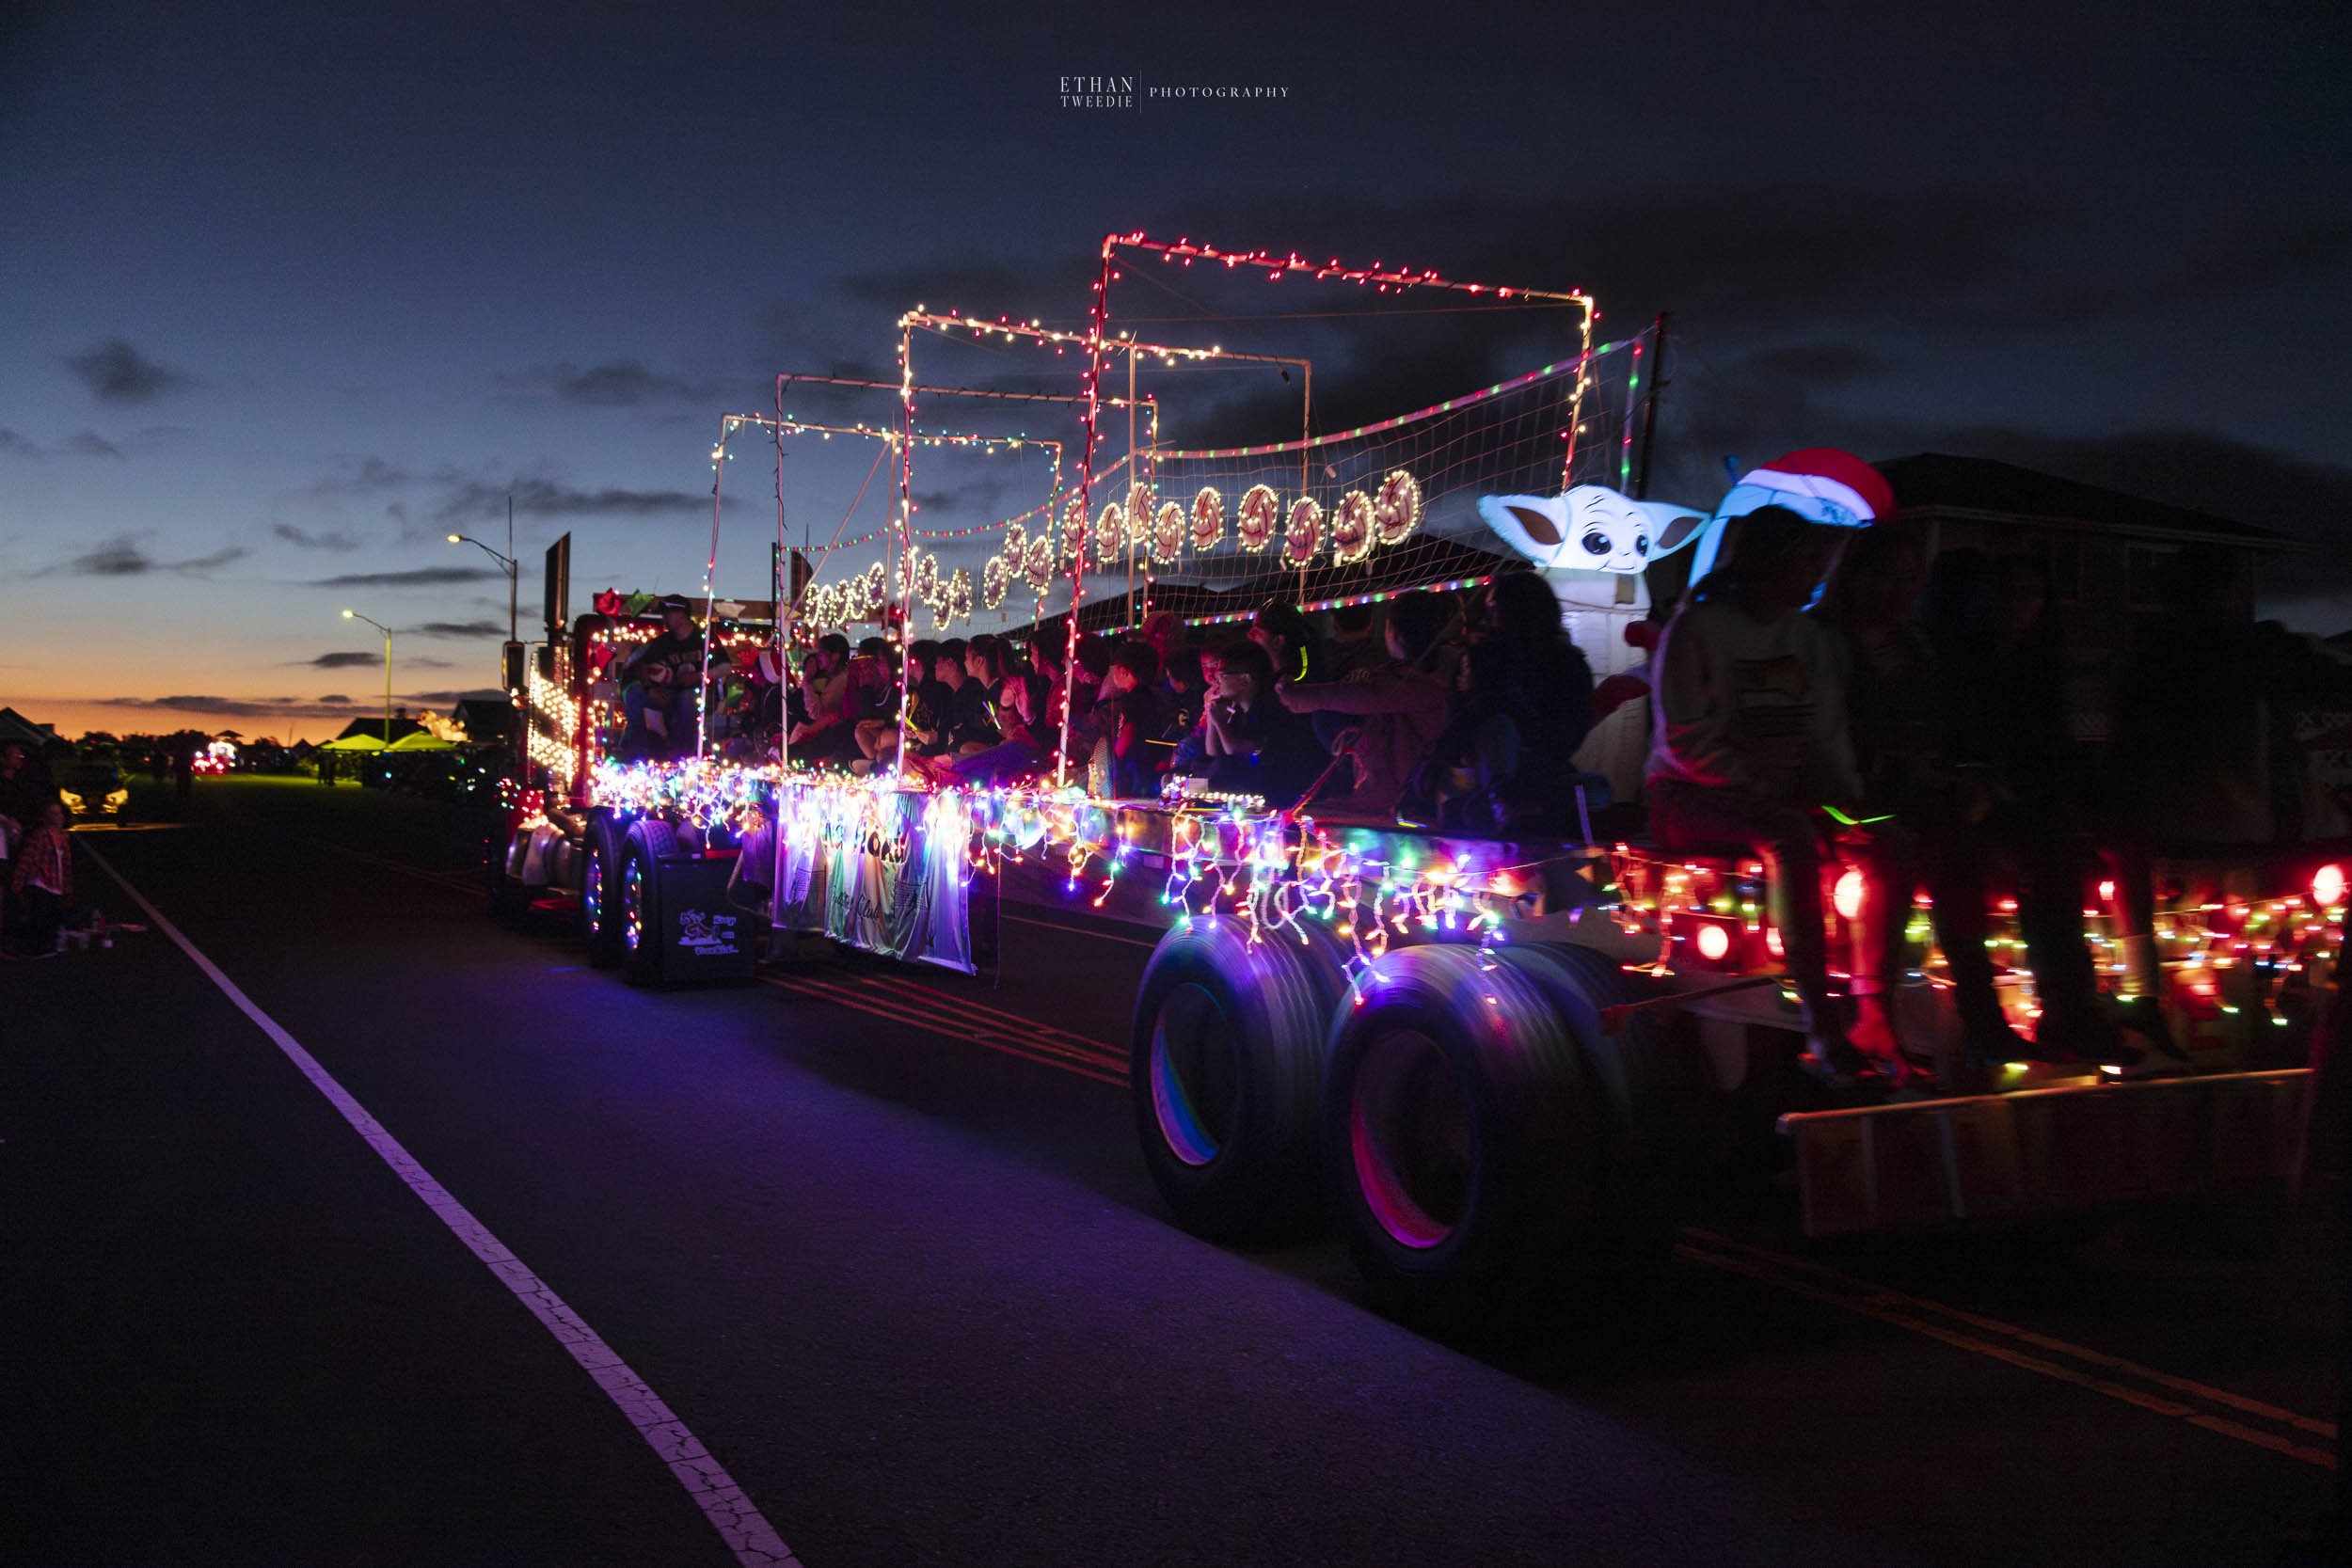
(421,740)
(355,744)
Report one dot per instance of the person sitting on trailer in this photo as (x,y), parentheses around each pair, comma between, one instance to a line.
(1256,746)
(1506,761)
(1281,629)
(1028,746)
(1191,743)
(976,727)
(1392,713)
(829,733)
(1131,717)
(662,686)
(1750,754)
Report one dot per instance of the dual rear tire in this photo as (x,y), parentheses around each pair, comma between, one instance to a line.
(1464,1115)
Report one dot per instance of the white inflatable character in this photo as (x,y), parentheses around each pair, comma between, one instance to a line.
(1592,544)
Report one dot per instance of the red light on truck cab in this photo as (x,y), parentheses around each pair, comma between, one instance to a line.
(1715,942)
(2327,886)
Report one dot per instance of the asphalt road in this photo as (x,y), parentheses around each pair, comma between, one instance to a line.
(860,1262)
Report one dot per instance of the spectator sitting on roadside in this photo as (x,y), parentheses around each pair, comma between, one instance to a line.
(662,685)
(1749,740)
(1394,710)
(41,879)
(1254,745)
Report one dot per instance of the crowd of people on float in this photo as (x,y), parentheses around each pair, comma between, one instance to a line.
(1825,698)
(1456,711)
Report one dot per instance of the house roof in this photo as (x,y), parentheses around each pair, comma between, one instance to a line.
(1934,480)
(15,726)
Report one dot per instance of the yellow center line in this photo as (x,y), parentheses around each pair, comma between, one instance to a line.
(1902,1311)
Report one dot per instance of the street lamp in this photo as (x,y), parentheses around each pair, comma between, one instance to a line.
(507,561)
(355,615)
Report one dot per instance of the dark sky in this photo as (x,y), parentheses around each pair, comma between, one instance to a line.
(288,290)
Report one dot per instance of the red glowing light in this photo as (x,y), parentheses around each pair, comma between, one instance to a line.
(2327,885)
(1715,942)
(1847,897)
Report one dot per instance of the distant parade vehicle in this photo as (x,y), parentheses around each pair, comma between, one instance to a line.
(1487,1058)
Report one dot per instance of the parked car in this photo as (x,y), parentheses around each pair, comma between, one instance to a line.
(94,789)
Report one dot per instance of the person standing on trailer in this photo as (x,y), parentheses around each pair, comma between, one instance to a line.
(1750,754)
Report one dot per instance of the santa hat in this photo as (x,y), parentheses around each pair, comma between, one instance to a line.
(1834,481)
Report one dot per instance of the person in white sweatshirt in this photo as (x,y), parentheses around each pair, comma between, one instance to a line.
(1749,748)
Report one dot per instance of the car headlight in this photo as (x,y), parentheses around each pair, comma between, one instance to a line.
(73,801)
(116,798)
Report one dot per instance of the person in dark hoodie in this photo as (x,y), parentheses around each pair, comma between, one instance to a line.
(1750,754)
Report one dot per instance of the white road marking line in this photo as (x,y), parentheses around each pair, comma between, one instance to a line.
(740,1523)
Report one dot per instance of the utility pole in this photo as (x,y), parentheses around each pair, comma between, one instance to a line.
(1650,404)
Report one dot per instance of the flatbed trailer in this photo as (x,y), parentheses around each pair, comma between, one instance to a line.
(1485,1059)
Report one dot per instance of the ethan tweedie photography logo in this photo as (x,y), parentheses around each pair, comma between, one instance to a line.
(1120,92)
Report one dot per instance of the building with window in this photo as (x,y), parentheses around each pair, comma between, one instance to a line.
(2106,551)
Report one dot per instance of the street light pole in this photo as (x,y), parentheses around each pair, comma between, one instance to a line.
(507,561)
(355,615)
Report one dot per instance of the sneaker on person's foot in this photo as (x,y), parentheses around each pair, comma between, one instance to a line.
(1831,1059)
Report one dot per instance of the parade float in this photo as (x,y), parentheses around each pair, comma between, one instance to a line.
(1491,1056)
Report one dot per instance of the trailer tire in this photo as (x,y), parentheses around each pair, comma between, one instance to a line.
(1648,1086)
(641,901)
(1225,1067)
(599,890)
(509,898)
(1464,1146)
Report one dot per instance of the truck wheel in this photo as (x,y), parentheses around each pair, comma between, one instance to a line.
(509,898)
(640,920)
(1463,1146)
(1647,1085)
(600,890)
(1224,1062)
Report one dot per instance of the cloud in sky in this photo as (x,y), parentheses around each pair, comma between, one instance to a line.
(117,373)
(345,661)
(614,384)
(459,628)
(302,538)
(420,577)
(542,497)
(82,443)
(125,557)
(241,708)
(488,695)
(355,475)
